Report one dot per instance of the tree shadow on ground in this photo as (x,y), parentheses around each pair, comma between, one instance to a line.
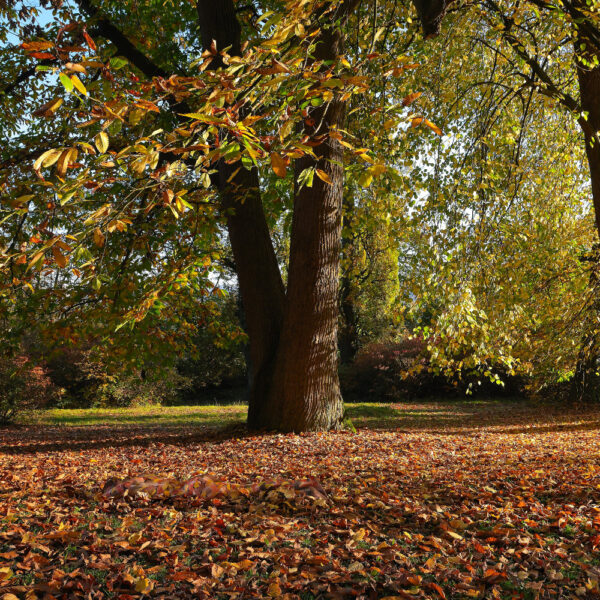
(467,417)
(32,439)
(511,417)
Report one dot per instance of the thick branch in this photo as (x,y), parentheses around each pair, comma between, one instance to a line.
(124,47)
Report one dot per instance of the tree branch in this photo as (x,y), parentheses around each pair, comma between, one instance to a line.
(124,47)
(24,75)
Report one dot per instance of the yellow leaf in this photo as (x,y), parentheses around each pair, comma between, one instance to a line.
(378,169)
(143,585)
(365,179)
(323,176)
(17,202)
(46,110)
(278,164)
(5,573)
(274,591)
(78,85)
(101,141)
(75,67)
(47,159)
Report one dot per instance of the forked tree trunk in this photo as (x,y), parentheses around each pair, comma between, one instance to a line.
(296,384)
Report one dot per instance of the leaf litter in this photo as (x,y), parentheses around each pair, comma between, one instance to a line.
(489,512)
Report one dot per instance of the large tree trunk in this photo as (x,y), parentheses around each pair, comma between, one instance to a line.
(585,383)
(305,395)
(259,278)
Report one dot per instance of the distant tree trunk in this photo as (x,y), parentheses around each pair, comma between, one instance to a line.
(348,335)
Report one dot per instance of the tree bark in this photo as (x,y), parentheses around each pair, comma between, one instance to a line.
(305,395)
(585,383)
(259,278)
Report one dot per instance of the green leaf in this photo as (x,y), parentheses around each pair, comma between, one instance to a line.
(117,62)
(66,81)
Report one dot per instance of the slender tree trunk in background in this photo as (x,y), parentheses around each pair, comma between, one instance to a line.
(348,335)
(585,383)
(259,278)
(590,100)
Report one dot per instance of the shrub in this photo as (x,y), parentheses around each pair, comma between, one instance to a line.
(385,371)
(135,389)
(389,371)
(23,386)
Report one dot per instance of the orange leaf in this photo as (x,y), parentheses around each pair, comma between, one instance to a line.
(278,164)
(90,42)
(59,257)
(98,237)
(323,176)
(416,121)
(411,98)
(42,55)
(433,127)
(64,160)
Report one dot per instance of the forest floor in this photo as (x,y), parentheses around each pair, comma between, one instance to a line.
(425,500)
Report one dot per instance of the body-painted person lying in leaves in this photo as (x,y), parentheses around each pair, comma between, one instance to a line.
(207,488)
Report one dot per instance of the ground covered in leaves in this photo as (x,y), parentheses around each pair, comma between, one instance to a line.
(429,500)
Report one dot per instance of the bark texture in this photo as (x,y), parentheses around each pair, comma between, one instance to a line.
(305,395)
(586,382)
(259,278)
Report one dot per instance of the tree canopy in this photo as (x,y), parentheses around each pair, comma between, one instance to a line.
(451,183)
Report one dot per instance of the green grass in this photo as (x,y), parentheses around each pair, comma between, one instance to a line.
(509,416)
(359,414)
(143,415)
